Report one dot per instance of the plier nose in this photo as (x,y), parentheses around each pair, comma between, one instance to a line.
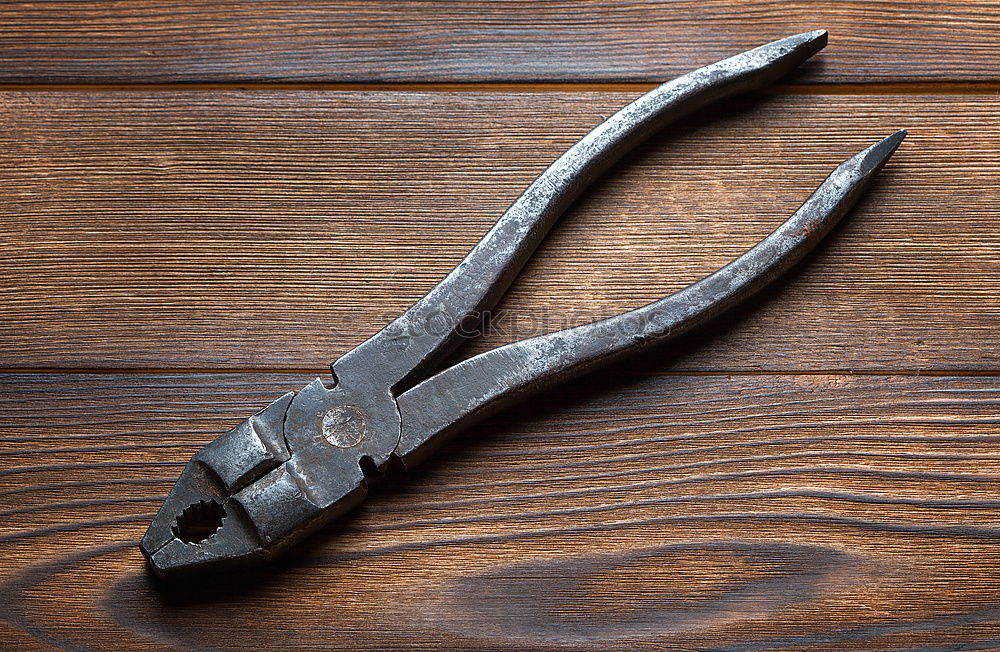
(203,521)
(309,456)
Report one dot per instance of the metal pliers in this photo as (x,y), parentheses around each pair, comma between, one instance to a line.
(310,456)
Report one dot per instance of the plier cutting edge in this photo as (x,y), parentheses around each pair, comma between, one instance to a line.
(310,456)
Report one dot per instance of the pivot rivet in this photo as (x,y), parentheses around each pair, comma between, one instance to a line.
(344,426)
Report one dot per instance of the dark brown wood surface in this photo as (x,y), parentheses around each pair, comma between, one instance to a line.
(673,511)
(818,471)
(243,230)
(448,41)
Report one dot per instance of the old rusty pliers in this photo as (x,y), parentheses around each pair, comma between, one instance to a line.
(309,456)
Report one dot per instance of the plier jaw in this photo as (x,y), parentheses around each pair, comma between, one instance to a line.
(198,529)
(303,460)
(202,523)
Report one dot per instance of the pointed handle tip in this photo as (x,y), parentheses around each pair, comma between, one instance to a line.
(812,41)
(871,159)
(815,35)
(895,138)
(786,53)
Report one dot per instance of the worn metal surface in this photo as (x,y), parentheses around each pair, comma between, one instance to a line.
(309,456)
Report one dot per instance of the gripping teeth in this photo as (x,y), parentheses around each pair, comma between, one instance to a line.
(199,521)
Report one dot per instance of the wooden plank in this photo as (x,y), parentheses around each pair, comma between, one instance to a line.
(572,40)
(681,512)
(236,230)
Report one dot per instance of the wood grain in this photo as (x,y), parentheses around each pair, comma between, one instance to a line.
(675,512)
(817,472)
(573,40)
(233,230)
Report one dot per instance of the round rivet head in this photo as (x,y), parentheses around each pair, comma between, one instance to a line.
(344,426)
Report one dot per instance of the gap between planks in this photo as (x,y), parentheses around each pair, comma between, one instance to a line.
(298,371)
(874,88)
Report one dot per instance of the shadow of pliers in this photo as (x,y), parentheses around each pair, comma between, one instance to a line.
(310,456)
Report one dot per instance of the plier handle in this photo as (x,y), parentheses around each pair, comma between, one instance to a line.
(309,456)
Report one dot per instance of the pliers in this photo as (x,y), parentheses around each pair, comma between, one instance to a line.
(310,456)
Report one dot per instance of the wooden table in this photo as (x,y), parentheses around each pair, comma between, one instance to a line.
(203,204)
